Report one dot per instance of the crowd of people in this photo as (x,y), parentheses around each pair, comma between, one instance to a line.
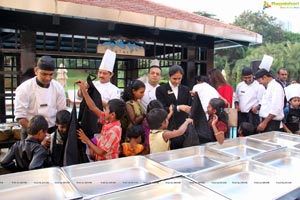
(147,117)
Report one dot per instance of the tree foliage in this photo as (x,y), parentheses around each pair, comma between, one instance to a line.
(261,23)
(206,14)
(284,46)
(285,54)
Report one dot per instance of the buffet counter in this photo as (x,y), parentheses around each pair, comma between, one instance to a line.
(263,166)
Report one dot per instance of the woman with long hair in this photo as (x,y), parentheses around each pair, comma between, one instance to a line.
(217,80)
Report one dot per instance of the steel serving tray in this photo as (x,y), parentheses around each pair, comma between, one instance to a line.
(175,188)
(191,159)
(245,179)
(286,159)
(48,183)
(101,177)
(280,138)
(244,147)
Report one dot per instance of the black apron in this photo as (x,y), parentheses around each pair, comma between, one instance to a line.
(74,149)
(88,120)
(199,132)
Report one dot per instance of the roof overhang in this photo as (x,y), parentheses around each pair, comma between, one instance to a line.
(157,23)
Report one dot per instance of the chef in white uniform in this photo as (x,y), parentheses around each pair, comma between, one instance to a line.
(271,110)
(39,95)
(107,90)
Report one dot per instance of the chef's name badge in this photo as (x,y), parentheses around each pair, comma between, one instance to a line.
(44,105)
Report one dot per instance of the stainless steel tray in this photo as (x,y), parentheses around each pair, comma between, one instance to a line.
(245,179)
(48,183)
(101,177)
(175,188)
(191,159)
(286,159)
(280,138)
(244,147)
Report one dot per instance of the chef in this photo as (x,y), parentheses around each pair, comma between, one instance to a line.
(39,95)
(271,110)
(107,90)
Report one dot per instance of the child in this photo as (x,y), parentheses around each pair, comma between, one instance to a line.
(134,146)
(134,108)
(246,129)
(291,120)
(217,118)
(110,135)
(153,104)
(58,138)
(29,154)
(158,121)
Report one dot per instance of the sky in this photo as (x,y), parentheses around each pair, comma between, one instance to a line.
(227,10)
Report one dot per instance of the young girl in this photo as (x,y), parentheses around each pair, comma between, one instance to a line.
(159,138)
(217,118)
(134,108)
(134,146)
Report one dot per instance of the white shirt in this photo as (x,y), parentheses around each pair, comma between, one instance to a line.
(272,101)
(205,92)
(31,99)
(107,90)
(174,89)
(149,94)
(249,96)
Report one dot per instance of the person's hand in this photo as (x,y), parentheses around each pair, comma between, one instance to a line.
(185,108)
(171,109)
(262,126)
(193,92)
(189,120)
(215,119)
(46,141)
(255,109)
(82,136)
(82,84)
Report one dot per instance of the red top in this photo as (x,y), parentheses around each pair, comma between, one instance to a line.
(226,92)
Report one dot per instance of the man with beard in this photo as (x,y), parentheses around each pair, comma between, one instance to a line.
(248,96)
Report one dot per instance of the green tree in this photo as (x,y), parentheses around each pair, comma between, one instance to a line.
(206,14)
(261,23)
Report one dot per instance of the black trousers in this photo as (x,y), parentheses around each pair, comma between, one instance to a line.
(273,125)
(250,117)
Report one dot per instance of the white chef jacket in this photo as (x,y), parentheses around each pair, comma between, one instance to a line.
(107,90)
(205,92)
(272,101)
(31,99)
(249,96)
(149,94)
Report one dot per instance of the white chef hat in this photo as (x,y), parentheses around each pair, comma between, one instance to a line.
(154,62)
(108,61)
(266,63)
(292,90)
